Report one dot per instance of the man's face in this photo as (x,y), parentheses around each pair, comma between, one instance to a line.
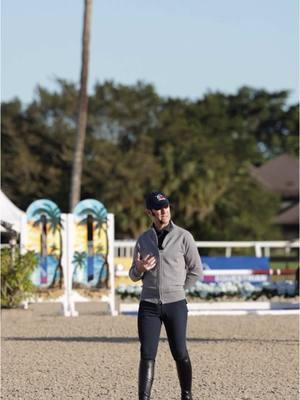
(161,217)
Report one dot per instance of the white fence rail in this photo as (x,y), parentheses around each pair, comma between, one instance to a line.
(124,248)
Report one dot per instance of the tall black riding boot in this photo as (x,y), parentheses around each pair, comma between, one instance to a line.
(184,370)
(146,376)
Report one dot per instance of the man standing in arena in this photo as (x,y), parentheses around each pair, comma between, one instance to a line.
(167,261)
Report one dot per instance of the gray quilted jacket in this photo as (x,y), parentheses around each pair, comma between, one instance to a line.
(178,265)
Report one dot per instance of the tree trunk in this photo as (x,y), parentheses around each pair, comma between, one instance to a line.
(82,109)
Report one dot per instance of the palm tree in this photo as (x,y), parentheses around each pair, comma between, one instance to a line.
(42,222)
(88,220)
(99,216)
(83,107)
(49,214)
(79,258)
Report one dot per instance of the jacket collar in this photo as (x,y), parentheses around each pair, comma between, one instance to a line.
(169,228)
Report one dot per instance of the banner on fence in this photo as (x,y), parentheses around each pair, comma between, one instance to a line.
(216,269)
(235,269)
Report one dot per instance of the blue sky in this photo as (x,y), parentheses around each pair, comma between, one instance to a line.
(184,48)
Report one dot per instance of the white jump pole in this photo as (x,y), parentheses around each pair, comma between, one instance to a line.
(110,259)
(68,304)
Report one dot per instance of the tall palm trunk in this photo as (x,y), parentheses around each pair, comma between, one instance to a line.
(82,109)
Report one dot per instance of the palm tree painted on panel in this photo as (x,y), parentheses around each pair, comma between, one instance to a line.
(79,259)
(42,222)
(88,221)
(49,214)
(98,215)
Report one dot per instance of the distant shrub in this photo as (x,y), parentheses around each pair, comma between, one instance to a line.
(16,285)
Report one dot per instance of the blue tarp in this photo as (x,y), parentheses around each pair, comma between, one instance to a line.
(236,262)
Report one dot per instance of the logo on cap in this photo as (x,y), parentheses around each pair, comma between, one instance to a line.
(160,197)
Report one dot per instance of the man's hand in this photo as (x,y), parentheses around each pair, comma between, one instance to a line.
(145,264)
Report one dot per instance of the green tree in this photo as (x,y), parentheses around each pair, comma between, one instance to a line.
(37,146)
(198,151)
(16,284)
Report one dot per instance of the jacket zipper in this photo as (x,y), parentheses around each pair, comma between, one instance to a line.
(158,275)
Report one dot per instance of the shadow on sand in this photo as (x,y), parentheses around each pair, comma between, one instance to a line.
(124,339)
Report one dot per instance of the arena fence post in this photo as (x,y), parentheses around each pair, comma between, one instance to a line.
(110,258)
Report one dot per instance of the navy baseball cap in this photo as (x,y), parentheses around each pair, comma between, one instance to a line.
(156,201)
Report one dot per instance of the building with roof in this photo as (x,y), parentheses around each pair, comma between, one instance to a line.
(281,176)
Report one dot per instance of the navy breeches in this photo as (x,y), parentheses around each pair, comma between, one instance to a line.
(150,318)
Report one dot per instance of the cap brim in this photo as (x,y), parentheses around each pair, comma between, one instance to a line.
(161,204)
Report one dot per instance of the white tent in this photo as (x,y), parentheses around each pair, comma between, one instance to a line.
(10,213)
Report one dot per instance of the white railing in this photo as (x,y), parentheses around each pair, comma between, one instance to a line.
(124,248)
